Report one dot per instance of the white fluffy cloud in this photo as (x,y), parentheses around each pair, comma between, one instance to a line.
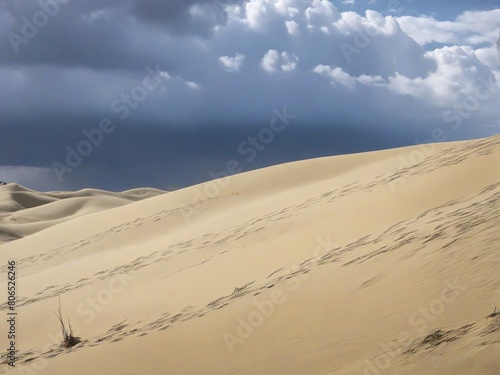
(232,64)
(459,75)
(321,13)
(273,61)
(373,56)
(292,27)
(193,85)
(337,75)
(270,61)
(470,28)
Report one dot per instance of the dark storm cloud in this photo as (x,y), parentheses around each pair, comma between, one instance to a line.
(139,154)
(165,13)
(216,88)
(106,34)
(176,17)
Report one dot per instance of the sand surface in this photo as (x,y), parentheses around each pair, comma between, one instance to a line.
(376,263)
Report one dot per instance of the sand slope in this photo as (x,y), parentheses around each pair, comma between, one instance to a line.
(358,264)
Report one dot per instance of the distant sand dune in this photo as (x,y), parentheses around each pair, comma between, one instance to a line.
(24,212)
(341,265)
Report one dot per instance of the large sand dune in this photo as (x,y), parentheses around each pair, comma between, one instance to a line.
(374,263)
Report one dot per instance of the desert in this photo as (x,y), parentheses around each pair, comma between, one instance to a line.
(336,265)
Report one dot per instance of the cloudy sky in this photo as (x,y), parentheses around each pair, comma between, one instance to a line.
(117,94)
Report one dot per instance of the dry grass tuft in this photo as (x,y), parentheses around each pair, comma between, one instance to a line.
(495,313)
(68,339)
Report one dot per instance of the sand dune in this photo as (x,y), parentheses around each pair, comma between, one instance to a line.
(24,212)
(374,263)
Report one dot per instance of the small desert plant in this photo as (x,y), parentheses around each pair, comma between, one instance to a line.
(68,339)
(495,313)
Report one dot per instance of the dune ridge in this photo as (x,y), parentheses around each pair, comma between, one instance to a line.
(352,264)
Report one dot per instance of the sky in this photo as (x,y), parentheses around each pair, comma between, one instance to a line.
(118,94)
